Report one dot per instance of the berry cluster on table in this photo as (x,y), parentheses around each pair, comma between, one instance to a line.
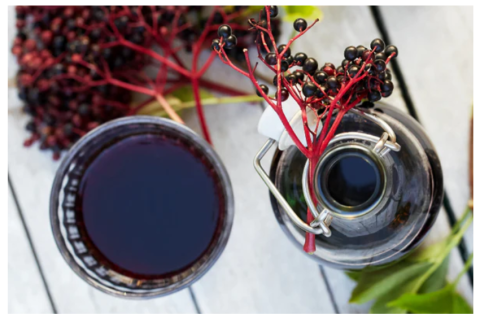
(81,66)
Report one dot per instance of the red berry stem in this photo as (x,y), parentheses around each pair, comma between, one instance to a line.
(79,65)
(362,77)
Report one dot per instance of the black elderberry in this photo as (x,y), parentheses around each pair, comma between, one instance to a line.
(381,76)
(321,92)
(59,68)
(346,62)
(34,95)
(273,11)
(299,75)
(59,42)
(283,94)
(350,53)
(21,36)
(300,24)
(264,89)
(309,89)
(353,70)
(378,45)
(320,77)
(386,94)
(284,65)
(127,52)
(121,23)
(390,50)
(68,129)
(292,78)
(341,78)
(360,50)
(136,38)
(271,59)
(332,82)
(310,65)
(388,74)
(340,70)
(31,126)
(387,86)
(289,60)
(49,120)
(118,62)
(381,56)
(371,84)
(380,66)
(281,48)
(95,34)
(216,44)
(369,68)
(367,104)
(107,52)
(230,42)
(328,68)
(224,31)
(360,87)
(366,54)
(70,24)
(374,95)
(22,94)
(83,109)
(300,58)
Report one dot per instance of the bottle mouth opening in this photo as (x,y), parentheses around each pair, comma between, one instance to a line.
(350,180)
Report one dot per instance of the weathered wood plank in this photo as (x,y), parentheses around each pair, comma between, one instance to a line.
(26,292)
(437,62)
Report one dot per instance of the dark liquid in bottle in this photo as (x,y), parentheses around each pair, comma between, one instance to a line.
(352,180)
(148,206)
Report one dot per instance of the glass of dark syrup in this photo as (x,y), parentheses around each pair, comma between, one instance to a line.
(141,207)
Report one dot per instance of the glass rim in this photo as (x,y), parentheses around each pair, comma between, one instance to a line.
(187,134)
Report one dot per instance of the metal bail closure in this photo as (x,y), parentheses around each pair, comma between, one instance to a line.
(323,219)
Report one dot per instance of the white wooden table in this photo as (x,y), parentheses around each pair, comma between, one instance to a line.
(260,271)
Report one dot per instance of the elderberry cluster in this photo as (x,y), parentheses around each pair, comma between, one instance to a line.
(320,84)
(58,93)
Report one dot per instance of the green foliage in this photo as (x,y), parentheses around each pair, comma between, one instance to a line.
(183,98)
(443,301)
(417,283)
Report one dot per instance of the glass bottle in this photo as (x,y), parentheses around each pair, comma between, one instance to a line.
(375,204)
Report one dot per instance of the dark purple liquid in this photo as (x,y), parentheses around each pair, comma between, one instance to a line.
(150,206)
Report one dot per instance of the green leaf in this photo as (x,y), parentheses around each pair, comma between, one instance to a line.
(460,305)
(305,12)
(430,253)
(185,94)
(381,304)
(443,301)
(385,281)
(354,275)
(437,279)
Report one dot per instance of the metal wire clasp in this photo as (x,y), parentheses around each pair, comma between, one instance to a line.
(320,225)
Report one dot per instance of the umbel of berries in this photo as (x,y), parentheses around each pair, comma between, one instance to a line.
(361,77)
(79,65)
